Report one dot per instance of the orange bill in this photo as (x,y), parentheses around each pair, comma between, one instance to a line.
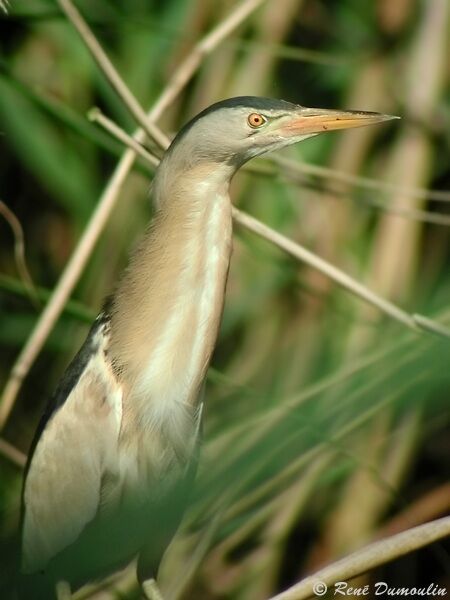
(317,120)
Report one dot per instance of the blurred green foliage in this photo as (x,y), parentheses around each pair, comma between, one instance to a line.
(325,422)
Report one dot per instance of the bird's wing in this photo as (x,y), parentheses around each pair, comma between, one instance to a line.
(76,443)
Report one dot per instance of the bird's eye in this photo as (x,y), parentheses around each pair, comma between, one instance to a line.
(256,120)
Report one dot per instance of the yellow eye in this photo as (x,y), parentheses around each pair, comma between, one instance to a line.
(256,120)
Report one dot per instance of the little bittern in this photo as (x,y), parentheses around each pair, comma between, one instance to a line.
(114,455)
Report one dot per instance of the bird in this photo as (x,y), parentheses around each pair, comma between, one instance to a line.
(115,453)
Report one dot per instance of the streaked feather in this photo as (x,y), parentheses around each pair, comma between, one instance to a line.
(110,472)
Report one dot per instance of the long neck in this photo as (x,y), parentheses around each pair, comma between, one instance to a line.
(166,312)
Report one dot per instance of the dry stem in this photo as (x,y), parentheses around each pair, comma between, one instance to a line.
(111,73)
(363,182)
(96,115)
(368,558)
(19,253)
(322,265)
(204,47)
(12,454)
(62,590)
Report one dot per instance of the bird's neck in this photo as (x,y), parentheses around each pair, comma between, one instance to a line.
(166,312)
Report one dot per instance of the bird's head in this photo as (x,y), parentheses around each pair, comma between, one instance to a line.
(233,131)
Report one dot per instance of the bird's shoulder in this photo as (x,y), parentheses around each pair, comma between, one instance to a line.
(96,339)
(75,444)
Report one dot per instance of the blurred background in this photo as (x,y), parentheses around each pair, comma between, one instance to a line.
(327,424)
